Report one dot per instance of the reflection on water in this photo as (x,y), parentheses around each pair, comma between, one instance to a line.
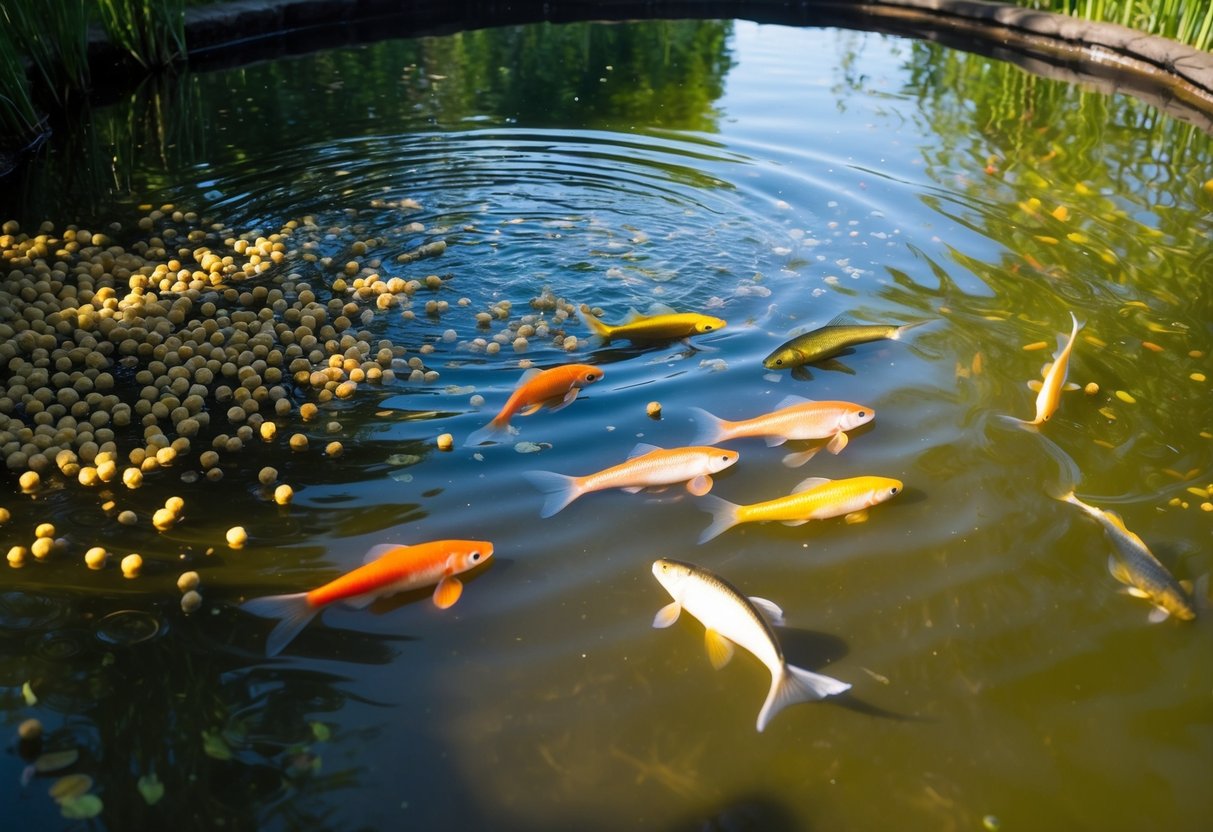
(773,177)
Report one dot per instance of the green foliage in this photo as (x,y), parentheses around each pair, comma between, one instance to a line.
(1187,21)
(152,31)
(20,122)
(54,36)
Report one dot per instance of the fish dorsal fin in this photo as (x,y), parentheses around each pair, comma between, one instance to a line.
(792,401)
(633,315)
(811,482)
(379,550)
(1117,521)
(1188,586)
(720,649)
(769,609)
(667,615)
(1118,570)
(641,449)
(656,309)
(527,375)
(843,319)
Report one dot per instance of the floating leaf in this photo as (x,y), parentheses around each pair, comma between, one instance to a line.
(321,732)
(27,692)
(151,788)
(56,760)
(215,746)
(70,787)
(84,807)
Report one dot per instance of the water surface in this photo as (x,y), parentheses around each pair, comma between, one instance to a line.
(775,177)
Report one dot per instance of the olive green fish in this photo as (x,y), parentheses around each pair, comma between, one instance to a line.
(830,340)
(1133,564)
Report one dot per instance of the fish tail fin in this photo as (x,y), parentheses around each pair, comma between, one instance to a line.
(596,326)
(904,328)
(560,490)
(293,613)
(491,431)
(1019,423)
(709,428)
(725,515)
(1068,473)
(795,684)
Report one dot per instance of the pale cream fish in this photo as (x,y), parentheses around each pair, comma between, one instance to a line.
(795,417)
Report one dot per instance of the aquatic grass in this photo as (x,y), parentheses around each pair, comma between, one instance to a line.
(53,34)
(20,122)
(1186,21)
(152,31)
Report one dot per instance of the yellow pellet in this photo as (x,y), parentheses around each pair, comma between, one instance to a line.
(236,537)
(1091,389)
(1151,346)
(131,565)
(96,557)
(1197,376)
(1061,212)
(1035,345)
(1108,413)
(45,530)
(1199,492)
(1206,506)
(446,442)
(1125,397)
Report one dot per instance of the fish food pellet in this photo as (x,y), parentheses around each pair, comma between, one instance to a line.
(653,409)
(267,475)
(30,481)
(29,730)
(17,556)
(283,494)
(188,580)
(96,557)
(190,601)
(175,504)
(127,518)
(236,537)
(446,442)
(42,548)
(5,516)
(132,478)
(1125,397)
(268,431)
(308,411)
(334,449)
(164,519)
(1091,389)
(131,565)
(45,530)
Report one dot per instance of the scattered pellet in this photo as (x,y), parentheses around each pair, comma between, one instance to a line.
(653,409)
(188,580)
(191,600)
(267,475)
(446,442)
(236,537)
(334,449)
(131,566)
(96,557)
(283,494)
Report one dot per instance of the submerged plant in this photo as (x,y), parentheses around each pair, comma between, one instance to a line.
(152,31)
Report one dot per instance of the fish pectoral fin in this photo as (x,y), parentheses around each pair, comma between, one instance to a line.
(447,592)
(1158,615)
(567,399)
(769,609)
(530,409)
(839,442)
(720,649)
(360,602)
(811,482)
(632,489)
(1136,593)
(1118,570)
(794,522)
(802,373)
(1035,385)
(854,517)
(774,441)
(700,485)
(667,615)
(1070,387)
(835,365)
(795,460)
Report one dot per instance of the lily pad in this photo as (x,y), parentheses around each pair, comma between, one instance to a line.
(56,760)
(84,807)
(151,788)
(71,787)
(215,746)
(321,732)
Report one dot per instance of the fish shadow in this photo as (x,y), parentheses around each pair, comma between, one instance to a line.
(814,650)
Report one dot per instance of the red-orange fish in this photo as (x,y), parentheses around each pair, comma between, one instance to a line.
(388,568)
(553,388)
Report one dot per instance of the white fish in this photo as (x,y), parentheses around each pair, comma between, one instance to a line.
(731,618)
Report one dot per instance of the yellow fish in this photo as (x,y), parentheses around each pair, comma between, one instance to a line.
(667,326)
(1135,566)
(647,467)
(1049,391)
(816,498)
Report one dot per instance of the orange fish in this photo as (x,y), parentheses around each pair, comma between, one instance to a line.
(554,388)
(647,467)
(794,418)
(387,569)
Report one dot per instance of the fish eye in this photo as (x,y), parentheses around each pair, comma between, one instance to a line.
(475,556)
(707,327)
(893,490)
(778,360)
(861,414)
(590,376)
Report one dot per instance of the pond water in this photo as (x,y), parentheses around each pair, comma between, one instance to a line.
(774,177)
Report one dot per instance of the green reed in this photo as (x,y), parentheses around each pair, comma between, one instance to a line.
(20,121)
(152,31)
(1187,21)
(53,34)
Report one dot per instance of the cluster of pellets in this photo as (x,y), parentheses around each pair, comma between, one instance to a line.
(185,346)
